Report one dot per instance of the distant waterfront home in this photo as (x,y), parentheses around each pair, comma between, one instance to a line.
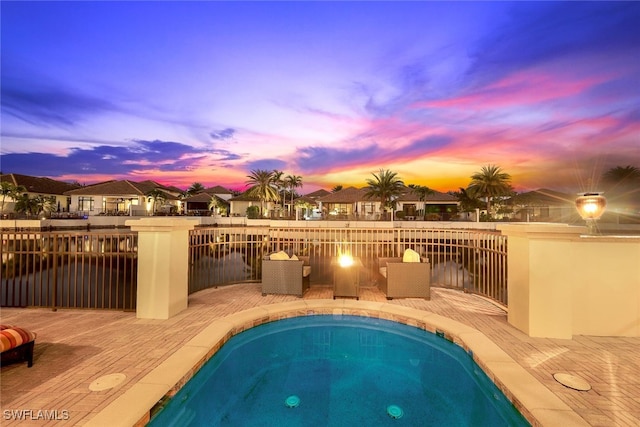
(349,203)
(126,198)
(352,203)
(308,206)
(435,206)
(544,205)
(35,187)
(238,205)
(201,203)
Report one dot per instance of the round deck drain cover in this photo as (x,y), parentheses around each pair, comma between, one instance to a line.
(292,401)
(572,381)
(394,411)
(106,382)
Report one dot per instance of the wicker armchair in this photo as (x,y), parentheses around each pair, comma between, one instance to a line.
(285,277)
(405,279)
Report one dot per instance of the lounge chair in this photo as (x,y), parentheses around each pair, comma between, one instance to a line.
(405,279)
(285,275)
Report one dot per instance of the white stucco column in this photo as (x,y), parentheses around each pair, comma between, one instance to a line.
(163,265)
(563,282)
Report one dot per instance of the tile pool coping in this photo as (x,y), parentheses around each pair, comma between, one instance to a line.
(535,401)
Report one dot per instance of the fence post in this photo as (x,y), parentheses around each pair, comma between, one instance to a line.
(163,265)
(54,302)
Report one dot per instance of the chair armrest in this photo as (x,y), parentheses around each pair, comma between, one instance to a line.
(304,259)
(382,261)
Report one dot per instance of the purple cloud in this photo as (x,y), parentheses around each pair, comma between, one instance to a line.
(49,105)
(223,134)
(105,159)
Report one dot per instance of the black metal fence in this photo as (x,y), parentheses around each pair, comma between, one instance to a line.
(72,270)
(470,260)
(99,269)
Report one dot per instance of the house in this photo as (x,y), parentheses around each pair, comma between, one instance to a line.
(544,205)
(238,205)
(36,186)
(125,198)
(348,203)
(200,203)
(623,203)
(309,204)
(435,206)
(220,192)
(353,203)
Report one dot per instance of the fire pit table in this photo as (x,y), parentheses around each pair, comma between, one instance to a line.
(346,277)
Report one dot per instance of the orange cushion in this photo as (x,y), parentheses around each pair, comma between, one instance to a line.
(12,337)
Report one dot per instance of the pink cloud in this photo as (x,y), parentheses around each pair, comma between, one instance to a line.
(520,89)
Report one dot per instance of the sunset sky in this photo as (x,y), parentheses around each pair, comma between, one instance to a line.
(184,92)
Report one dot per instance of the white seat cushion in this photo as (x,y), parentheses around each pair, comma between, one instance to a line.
(410,256)
(383,271)
(306,270)
(279,256)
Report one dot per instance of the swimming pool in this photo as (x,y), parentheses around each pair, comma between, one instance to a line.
(327,370)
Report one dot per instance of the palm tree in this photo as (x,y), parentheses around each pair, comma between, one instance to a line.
(489,183)
(195,188)
(622,178)
(293,182)
(385,186)
(6,188)
(304,204)
(422,192)
(157,196)
(468,202)
(277,178)
(26,204)
(183,205)
(622,187)
(336,188)
(263,187)
(214,204)
(9,189)
(621,174)
(45,204)
(279,183)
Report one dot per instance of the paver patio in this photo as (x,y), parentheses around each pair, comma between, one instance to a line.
(76,347)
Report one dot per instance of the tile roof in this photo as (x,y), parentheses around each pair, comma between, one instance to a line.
(122,188)
(317,194)
(217,190)
(305,199)
(109,188)
(346,195)
(147,186)
(352,195)
(436,196)
(544,197)
(244,197)
(204,197)
(39,185)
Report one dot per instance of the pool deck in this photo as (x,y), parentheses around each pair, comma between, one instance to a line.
(74,348)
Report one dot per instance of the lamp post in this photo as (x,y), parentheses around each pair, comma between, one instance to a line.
(591,206)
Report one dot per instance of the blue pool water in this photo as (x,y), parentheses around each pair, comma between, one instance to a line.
(339,371)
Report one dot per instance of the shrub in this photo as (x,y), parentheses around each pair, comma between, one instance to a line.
(253,212)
